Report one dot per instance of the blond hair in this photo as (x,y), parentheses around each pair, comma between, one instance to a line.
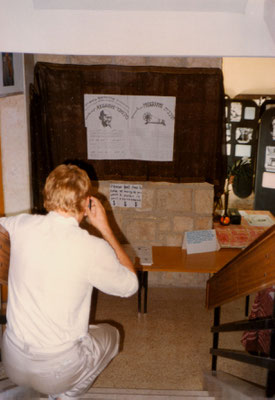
(66,189)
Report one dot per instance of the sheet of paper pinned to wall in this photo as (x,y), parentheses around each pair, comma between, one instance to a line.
(124,195)
(268,180)
(130,127)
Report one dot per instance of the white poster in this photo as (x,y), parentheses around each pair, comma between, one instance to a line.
(270,158)
(124,195)
(268,180)
(130,127)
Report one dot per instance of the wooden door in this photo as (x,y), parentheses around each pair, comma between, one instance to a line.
(4,290)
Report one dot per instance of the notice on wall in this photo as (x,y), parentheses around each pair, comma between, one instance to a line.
(124,195)
(268,180)
(130,127)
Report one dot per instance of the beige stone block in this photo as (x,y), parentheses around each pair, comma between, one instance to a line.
(162,238)
(164,225)
(116,220)
(102,194)
(168,61)
(147,199)
(182,224)
(51,58)
(91,60)
(203,223)
(104,189)
(174,239)
(141,230)
(119,219)
(204,62)
(204,201)
(126,60)
(174,200)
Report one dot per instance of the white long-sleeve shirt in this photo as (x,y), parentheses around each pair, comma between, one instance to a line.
(54,265)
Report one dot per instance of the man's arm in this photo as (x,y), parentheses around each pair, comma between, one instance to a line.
(98,218)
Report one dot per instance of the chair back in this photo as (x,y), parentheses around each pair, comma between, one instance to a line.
(4,255)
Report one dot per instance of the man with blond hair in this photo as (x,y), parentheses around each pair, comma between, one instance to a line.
(48,344)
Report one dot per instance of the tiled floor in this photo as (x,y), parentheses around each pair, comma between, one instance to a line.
(169,347)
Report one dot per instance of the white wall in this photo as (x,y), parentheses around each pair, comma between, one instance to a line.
(249,76)
(206,29)
(15,154)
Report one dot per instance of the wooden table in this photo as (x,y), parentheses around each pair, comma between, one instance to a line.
(175,259)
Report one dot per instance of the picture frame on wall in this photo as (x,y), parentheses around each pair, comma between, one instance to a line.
(11,74)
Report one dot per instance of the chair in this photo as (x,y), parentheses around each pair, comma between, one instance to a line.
(4,270)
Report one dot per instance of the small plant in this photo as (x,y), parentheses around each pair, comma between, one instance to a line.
(240,175)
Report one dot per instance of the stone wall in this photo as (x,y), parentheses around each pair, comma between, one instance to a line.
(168,209)
(181,62)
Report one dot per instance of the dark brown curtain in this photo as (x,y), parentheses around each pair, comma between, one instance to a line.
(58,132)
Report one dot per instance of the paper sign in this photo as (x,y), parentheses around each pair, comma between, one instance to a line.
(123,195)
(200,241)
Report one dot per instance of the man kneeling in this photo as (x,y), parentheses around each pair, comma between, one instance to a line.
(48,344)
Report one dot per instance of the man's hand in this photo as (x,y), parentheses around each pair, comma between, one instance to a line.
(97,216)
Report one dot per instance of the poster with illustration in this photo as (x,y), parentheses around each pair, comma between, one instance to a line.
(130,127)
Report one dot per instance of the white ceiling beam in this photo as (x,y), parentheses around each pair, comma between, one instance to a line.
(24,28)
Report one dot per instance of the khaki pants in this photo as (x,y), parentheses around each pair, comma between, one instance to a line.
(67,372)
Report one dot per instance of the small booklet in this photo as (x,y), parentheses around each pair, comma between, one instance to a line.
(144,253)
(200,241)
(257,219)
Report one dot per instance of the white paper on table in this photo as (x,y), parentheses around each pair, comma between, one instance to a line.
(201,241)
(258,219)
(144,253)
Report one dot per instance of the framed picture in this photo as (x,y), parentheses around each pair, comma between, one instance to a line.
(11,73)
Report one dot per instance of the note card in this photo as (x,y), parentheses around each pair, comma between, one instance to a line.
(200,241)
(144,253)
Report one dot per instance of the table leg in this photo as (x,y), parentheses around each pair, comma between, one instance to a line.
(246,306)
(270,381)
(140,284)
(217,312)
(145,286)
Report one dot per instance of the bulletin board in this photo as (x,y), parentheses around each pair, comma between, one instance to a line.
(265,173)
(242,118)
(58,132)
